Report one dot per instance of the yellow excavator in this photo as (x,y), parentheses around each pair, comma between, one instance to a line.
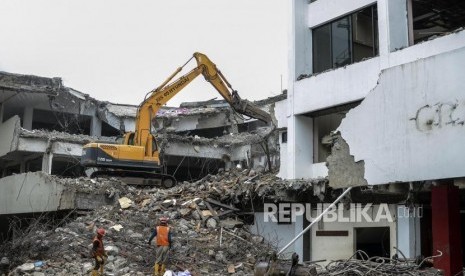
(136,161)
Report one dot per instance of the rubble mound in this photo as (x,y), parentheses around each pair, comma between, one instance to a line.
(209,232)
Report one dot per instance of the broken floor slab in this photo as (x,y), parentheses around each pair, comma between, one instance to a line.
(29,83)
(37,192)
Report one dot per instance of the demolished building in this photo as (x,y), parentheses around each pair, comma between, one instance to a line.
(376,102)
(44,124)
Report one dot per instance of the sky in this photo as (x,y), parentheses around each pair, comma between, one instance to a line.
(117,51)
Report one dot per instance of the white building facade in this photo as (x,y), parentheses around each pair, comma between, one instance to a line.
(387,76)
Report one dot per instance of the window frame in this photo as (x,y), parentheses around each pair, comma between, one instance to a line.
(374,34)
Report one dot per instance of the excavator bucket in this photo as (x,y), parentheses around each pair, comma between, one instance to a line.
(249,109)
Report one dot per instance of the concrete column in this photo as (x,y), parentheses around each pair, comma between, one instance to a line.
(233,128)
(408,231)
(47,163)
(300,40)
(27,117)
(22,167)
(301,147)
(1,112)
(95,126)
(445,205)
(398,24)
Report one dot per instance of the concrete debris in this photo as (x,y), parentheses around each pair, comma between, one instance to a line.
(117,227)
(65,137)
(237,139)
(125,202)
(209,234)
(343,171)
(111,187)
(29,83)
(361,264)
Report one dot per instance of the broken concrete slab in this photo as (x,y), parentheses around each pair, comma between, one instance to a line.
(37,192)
(343,171)
(29,83)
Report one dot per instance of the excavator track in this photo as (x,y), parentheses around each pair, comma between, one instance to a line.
(139,178)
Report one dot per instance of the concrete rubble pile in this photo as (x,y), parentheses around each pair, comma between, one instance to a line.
(209,235)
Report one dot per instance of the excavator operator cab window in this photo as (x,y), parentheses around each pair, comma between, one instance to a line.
(131,138)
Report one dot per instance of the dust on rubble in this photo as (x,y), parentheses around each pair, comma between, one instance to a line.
(209,234)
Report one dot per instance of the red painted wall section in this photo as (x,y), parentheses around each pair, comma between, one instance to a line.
(445,205)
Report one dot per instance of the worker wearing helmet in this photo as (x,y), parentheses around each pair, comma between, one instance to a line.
(163,240)
(98,252)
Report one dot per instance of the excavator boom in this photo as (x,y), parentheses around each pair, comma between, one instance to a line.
(140,149)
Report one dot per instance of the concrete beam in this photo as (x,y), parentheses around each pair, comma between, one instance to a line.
(29,144)
(37,192)
(202,151)
(233,153)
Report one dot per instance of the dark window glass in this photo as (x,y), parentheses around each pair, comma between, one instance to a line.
(436,18)
(346,40)
(284,137)
(322,48)
(365,35)
(341,42)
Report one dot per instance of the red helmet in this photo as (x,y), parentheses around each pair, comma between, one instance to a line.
(101,231)
(163,220)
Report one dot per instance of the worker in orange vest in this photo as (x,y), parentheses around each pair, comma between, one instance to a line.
(98,252)
(163,234)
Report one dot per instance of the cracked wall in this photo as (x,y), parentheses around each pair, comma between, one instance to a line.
(343,171)
(411,126)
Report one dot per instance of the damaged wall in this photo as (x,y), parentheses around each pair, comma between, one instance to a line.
(411,126)
(343,171)
(28,197)
(36,192)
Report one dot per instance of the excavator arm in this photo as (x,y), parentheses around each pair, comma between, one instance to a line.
(136,160)
(162,94)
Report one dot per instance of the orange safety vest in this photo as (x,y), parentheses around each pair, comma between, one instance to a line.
(162,235)
(100,249)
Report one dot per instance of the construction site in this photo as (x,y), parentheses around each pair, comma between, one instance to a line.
(356,168)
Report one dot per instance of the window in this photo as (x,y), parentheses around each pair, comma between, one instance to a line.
(346,40)
(284,137)
(432,18)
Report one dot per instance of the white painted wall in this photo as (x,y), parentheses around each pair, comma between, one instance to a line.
(279,234)
(283,155)
(356,81)
(300,157)
(335,248)
(400,148)
(281,113)
(408,231)
(322,11)
(335,87)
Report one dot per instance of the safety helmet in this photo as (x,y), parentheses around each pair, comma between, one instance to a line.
(101,231)
(163,220)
